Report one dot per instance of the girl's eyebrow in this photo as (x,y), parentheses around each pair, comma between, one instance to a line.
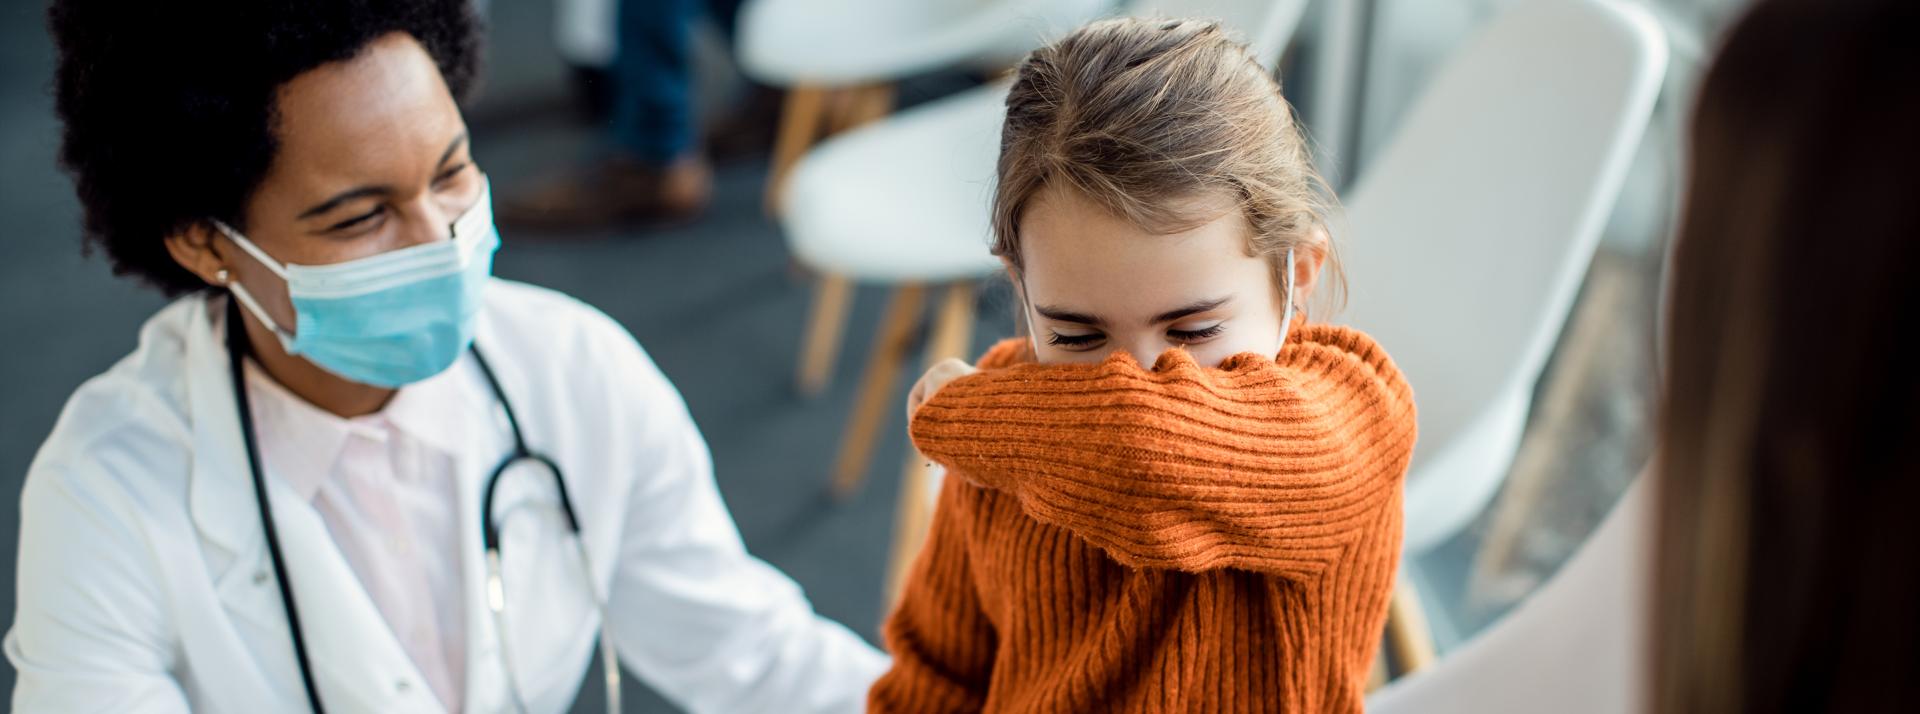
(1193,309)
(1054,313)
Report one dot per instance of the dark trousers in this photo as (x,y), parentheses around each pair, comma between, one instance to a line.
(653,104)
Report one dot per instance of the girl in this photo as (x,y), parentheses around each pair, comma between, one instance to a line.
(1216,532)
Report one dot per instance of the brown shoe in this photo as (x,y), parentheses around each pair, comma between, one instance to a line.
(618,192)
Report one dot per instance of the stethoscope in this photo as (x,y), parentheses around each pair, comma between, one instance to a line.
(237,346)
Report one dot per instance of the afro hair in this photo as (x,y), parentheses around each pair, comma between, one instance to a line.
(168,108)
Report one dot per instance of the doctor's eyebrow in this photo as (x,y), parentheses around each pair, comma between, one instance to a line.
(365,191)
(452,146)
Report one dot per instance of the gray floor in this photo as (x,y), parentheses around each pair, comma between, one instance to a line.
(715,303)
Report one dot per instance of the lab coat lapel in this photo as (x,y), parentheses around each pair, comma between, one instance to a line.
(486,443)
(352,648)
(357,660)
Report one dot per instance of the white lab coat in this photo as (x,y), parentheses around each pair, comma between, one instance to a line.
(145,584)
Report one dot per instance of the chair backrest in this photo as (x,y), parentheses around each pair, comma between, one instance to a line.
(1040,22)
(920,18)
(1576,646)
(1265,25)
(1467,238)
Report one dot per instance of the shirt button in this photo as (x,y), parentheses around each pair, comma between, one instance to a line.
(260,578)
(402,686)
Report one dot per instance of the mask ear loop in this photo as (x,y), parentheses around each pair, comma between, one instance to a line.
(1026,317)
(1286,319)
(251,249)
(239,292)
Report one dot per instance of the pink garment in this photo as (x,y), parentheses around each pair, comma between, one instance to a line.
(385,486)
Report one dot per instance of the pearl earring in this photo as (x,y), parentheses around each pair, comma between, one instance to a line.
(221,275)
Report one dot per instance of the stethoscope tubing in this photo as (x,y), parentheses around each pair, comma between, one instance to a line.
(237,347)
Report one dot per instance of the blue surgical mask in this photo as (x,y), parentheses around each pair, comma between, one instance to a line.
(386,320)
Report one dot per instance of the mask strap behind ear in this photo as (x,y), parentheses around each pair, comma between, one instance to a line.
(1286,319)
(1026,318)
(239,292)
(251,249)
(259,313)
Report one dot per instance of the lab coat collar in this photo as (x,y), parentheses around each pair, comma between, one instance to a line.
(312,438)
(221,495)
(358,662)
(432,409)
(299,442)
(222,491)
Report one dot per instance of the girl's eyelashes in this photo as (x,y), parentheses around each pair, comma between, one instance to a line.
(1200,335)
(1074,341)
(1093,339)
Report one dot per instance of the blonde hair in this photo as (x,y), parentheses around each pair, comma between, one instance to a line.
(1138,115)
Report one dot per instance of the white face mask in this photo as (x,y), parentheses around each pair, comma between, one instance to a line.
(389,319)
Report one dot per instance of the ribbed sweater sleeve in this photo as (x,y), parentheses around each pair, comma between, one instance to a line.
(942,642)
(1266,464)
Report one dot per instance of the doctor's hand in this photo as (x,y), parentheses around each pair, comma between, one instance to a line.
(937,376)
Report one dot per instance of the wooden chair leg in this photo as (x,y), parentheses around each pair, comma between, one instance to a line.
(953,328)
(862,105)
(812,112)
(1377,677)
(912,518)
(1408,636)
(832,296)
(952,337)
(877,387)
(802,117)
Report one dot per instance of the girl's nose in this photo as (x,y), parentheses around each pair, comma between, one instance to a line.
(1147,351)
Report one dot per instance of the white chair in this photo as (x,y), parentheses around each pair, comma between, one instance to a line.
(851,42)
(905,203)
(1576,646)
(1468,237)
(839,58)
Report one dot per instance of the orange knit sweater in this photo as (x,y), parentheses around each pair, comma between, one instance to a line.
(1184,539)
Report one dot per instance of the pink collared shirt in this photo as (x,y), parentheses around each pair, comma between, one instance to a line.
(385,486)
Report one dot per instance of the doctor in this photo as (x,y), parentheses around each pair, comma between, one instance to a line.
(347,470)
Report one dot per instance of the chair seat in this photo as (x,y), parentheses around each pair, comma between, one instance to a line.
(1575,646)
(906,200)
(844,42)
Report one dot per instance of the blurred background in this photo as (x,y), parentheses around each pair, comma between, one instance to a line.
(791,348)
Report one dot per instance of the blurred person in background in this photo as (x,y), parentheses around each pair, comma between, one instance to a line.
(285,499)
(656,169)
(1788,572)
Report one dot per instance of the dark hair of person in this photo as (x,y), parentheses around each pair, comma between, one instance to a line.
(168,108)
(1788,556)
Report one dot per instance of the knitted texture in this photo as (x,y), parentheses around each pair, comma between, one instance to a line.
(1180,539)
